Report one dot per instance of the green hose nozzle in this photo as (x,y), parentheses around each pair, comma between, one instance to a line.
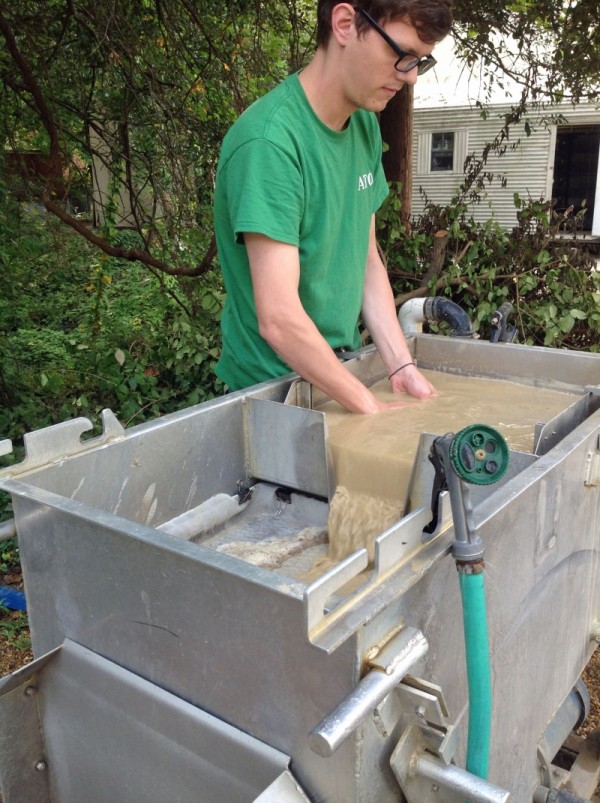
(479,454)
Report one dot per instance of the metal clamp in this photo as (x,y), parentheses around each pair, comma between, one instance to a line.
(421,775)
(389,666)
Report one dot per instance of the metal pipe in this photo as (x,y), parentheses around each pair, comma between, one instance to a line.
(207,516)
(476,790)
(544,795)
(8,530)
(335,728)
(569,716)
(416,311)
(442,309)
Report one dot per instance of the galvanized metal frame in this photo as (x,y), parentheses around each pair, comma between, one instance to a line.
(235,639)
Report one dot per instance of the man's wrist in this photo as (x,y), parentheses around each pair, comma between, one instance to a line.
(401,368)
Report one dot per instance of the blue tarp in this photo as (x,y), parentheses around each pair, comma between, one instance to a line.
(12,598)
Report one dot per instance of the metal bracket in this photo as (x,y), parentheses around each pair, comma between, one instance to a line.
(421,774)
(394,549)
(547,435)
(592,467)
(426,698)
(60,441)
(300,394)
(302,459)
(388,667)
(305,394)
(424,703)
(317,594)
(402,539)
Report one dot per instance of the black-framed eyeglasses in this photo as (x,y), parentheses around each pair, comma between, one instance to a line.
(406,61)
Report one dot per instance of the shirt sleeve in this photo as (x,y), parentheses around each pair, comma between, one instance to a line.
(265,193)
(381,186)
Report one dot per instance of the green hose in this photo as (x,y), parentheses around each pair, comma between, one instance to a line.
(472,588)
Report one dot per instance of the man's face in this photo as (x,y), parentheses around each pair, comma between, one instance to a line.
(371,78)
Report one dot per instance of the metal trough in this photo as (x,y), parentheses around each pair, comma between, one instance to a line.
(209,669)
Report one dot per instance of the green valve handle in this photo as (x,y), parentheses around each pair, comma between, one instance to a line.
(479,454)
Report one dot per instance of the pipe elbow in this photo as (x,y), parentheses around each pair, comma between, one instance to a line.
(411,316)
(442,309)
(415,312)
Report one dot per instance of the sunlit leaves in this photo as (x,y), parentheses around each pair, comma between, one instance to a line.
(145,92)
(551,49)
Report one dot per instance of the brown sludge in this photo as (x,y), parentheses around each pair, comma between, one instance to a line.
(373,455)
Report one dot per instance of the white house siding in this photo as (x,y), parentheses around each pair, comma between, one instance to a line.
(527,168)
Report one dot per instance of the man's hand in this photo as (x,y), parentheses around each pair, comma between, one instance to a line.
(410,380)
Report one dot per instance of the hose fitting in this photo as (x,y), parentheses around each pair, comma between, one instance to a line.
(442,309)
(415,312)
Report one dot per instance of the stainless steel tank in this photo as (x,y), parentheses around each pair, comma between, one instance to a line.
(213,665)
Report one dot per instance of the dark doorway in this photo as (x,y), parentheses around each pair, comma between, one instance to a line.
(576,169)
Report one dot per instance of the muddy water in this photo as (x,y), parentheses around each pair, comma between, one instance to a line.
(373,455)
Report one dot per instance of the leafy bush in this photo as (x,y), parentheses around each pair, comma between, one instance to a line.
(80,331)
(14,626)
(550,277)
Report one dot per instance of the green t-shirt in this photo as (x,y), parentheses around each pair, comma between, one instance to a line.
(285,174)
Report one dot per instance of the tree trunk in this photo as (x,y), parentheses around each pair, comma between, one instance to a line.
(396,123)
(438,255)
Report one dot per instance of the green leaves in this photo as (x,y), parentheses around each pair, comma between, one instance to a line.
(557,45)
(136,97)
(551,281)
(78,334)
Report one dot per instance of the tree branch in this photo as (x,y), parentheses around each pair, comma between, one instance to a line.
(131,254)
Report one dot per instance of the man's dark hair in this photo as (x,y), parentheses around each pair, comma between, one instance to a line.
(431,18)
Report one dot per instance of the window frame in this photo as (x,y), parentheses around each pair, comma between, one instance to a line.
(425,151)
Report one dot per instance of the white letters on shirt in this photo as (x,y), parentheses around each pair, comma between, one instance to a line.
(364,181)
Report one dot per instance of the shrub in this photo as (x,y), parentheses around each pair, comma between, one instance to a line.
(550,277)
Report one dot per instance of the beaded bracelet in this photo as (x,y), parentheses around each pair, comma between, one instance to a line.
(406,364)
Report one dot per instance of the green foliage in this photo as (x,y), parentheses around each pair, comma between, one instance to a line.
(80,332)
(143,92)
(14,628)
(550,49)
(9,556)
(139,95)
(550,277)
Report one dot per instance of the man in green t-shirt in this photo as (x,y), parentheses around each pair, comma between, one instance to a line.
(298,184)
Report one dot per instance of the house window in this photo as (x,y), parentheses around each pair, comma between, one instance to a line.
(442,151)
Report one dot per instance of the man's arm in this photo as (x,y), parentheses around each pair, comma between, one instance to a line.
(284,324)
(380,318)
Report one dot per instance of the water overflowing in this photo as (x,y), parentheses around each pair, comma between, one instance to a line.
(373,455)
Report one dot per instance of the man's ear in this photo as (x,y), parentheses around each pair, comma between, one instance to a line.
(342,23)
